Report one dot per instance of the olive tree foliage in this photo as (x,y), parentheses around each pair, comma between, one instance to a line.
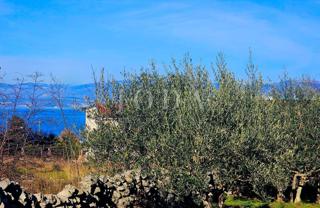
(182,125)
(298,127)
(162,126)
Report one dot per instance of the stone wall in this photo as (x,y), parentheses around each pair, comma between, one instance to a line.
(130,189)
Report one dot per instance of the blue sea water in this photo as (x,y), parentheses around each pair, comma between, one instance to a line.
(49,121)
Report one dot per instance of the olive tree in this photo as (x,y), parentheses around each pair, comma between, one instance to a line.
(182,125)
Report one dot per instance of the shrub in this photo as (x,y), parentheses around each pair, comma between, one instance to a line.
(69,142)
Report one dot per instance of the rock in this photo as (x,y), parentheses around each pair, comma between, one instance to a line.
(9,196)
(125,191)
(97,190)
(42,204)
(66,193)
(116,196)
(117,178)
(137,178)
(86,183)
(49,198)
(128,176)
(109,184)
(55,200)
(121,188)
(92,204)
(96,197)
(124,202)
(145,183)
(38,197)
(23,198)
(103,179)
(4,183)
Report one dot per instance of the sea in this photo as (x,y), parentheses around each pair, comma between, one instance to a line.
(48,120)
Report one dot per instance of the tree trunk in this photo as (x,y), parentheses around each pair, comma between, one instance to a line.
(291,196)
(280,197)
(221,200)
(206,204)
(299,180)
(318,193)
(318,198)
(298,195)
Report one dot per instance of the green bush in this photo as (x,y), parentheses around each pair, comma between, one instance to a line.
(69,143)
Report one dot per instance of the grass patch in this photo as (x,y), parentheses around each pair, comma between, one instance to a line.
(291,205)
(46,176)
(246,203)
(239,202)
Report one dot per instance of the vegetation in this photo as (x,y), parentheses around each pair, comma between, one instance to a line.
(69,142)
(185,128)
(246,138)
(39,162)
(231,202)
(46,176)
(17,138)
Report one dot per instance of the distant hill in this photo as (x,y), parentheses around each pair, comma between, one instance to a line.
(73,94)
(78,95)
(268,87)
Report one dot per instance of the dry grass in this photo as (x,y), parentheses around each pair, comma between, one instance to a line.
(43,175)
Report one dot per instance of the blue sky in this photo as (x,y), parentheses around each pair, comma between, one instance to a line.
(67,37)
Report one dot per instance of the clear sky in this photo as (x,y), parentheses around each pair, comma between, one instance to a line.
(67,37)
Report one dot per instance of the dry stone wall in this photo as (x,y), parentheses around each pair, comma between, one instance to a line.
(130,189)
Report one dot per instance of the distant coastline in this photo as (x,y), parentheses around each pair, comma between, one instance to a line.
(49,120)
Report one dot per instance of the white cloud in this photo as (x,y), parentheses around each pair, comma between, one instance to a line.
(233,28)
(277,36)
